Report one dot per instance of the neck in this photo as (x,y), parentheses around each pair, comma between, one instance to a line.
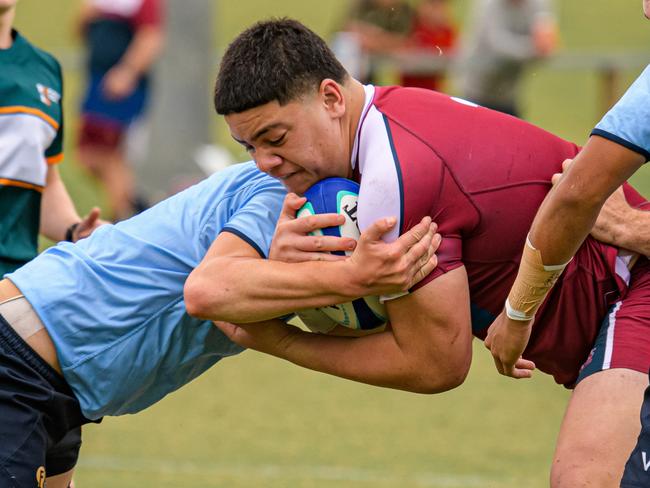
(6,22)
(356,101)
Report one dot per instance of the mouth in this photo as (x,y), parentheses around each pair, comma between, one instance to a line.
(285,176)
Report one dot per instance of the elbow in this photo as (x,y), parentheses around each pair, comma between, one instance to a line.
(577,195)
(438,380)
(202,300)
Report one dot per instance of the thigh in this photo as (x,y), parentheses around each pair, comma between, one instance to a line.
(599,429)
(23,453)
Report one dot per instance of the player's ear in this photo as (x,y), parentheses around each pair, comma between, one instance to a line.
(332,97)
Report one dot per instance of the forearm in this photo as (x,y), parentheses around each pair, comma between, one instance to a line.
(58,212)
(634,233)
(569,212)
(427,348)
(562,223)
(258,289)
(143,50)
(377,359)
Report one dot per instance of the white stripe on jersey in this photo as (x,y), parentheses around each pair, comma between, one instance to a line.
(24,139)
(379,195)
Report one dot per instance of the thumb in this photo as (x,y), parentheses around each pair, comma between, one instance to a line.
(292,203)
(92,216)
(378,229)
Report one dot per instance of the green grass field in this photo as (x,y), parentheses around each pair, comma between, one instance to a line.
(255,421)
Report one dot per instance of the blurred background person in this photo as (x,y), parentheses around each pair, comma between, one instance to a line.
(432,33)
(395,27)
(33,197)
(504,37)
(123,40)
(381,25)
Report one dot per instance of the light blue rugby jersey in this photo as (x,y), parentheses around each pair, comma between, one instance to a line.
(628,122)
(113,303)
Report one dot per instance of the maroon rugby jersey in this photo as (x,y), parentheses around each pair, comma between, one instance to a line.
(482,175)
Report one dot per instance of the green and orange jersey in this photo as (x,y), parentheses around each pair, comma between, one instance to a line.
(31,138)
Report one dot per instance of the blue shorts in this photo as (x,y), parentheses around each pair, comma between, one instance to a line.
(41,418)
(637,469)
(118,112)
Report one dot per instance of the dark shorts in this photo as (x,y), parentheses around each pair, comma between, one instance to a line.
(637,469)
(624,337)
(105,121)
(40,426)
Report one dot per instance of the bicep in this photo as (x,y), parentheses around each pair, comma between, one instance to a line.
(230,245)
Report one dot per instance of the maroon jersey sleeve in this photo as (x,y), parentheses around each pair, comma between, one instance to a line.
(150,13)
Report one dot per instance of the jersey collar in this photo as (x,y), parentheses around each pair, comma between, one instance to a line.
(370,93)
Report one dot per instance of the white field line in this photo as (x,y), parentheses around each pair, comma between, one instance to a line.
(375,477)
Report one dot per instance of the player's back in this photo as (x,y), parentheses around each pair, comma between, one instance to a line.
(482,176)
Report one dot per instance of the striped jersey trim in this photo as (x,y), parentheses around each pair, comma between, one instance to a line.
(623,142)
(56,159)
(20,184)
(19,109)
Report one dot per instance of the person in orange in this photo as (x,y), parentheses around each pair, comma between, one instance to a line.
(433,32)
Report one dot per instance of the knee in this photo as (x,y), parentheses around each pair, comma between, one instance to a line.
(585,473)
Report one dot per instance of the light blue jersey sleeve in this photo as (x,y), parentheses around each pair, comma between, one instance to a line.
(255,220)
(628,122)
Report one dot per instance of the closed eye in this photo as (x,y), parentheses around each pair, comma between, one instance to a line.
(278,141)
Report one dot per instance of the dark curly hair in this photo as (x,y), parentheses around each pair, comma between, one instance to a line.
(277,59)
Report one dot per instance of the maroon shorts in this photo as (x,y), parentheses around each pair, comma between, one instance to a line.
(99,133)
(624,337)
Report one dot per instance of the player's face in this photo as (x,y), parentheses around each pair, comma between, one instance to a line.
(646,8)
(299,143)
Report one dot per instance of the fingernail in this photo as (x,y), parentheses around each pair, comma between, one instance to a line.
(391,220)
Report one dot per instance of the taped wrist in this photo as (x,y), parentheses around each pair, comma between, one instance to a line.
(533,282)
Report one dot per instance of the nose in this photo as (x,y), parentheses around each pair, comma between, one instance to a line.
(267,161)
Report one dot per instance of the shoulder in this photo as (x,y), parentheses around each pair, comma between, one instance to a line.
(42,55)
(35,55)
(242,179)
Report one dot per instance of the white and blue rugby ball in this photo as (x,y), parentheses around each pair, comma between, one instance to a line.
(339,195)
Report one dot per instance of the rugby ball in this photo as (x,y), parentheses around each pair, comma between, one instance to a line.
(339,195)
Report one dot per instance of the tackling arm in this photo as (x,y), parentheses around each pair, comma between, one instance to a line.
(232,282)
(623,226)
(427,349)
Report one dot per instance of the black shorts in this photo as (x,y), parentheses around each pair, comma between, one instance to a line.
(637,469)
(40,418)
